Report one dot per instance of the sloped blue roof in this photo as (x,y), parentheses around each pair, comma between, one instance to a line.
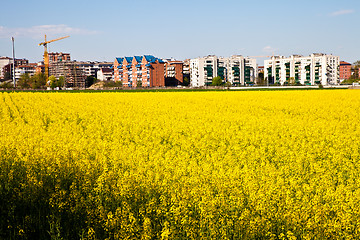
(149,58)
(119,60)
(148,65)
(128,66)
(138,58)
(153,59)
(138,65)
(129,59)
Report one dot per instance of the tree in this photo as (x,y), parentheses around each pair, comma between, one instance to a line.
(53,82)
(228,84)
(291,80)
(186,81)
(6,85)
(90,80)
(61,81)
(7,76)
(24,81)
(357,63)
(139,83)
(217,81)
(260,79)
(38,81)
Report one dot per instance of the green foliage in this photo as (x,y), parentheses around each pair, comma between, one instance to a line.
(90,80)
(61,81)
(6,85)
(349,81)
(112,84)
(291,80)
(53,82)
(217,81)
(38,81)
(139,83)
(7,76)
(260,79)
(24,81)
(228,84)
(186,81)
(357,63)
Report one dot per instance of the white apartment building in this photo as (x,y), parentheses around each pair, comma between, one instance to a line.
(104,74)
(315,69)
(236,70)
(3,62)
(25,69)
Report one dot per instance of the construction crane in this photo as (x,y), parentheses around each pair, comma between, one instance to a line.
(259,56)
(46,56)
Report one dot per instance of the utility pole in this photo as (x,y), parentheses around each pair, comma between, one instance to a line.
(13,48)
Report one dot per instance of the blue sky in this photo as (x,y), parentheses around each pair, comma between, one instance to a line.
(103,30)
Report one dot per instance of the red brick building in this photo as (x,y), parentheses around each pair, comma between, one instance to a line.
(144,71)
(345,70)
(174,73)
(58,57)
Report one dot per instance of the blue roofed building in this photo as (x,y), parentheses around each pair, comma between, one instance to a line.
(140,71)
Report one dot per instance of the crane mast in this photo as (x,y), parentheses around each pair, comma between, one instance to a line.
(46,55)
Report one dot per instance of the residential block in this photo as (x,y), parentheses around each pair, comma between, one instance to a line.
(237,70)
(318,68)
(144,71)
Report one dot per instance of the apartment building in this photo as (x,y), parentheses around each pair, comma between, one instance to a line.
(186,69)
(90,68)
(60,64)
(6,65)
(146,71)
(344,70)
(318,68)
(58,57)
(104,74)
(173,73)
(236,70)
(29,68)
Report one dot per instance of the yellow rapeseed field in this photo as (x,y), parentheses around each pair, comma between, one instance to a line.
(180,165)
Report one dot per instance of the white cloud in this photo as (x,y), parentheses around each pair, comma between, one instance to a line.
(341,12)
(38,32)
(269,49)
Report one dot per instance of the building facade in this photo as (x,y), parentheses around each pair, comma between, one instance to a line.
(6,66)
(91,68)
(315,69)
(237,70)
(104,74)
(144,71)
(173,73)
(25,69)
(60,65)
(344,70)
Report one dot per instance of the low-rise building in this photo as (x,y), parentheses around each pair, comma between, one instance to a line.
(315,69)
